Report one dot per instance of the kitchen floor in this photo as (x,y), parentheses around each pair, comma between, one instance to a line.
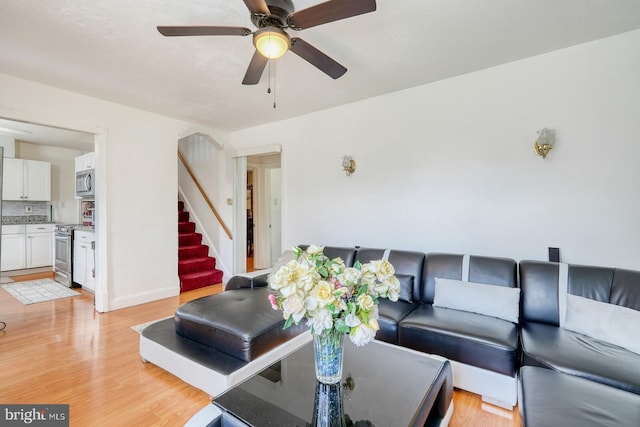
(29,274)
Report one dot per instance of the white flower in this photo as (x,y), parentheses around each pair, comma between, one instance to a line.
(361,335)
(328,293)
(393,291)
(350,275)
(294,306)
(382,268)
(314,249)
(365,302)
(321,320)
(323,293)
(352,320)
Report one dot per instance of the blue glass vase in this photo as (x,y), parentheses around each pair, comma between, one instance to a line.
(328,351)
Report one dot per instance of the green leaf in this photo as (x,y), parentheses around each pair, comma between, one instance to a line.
(362,290)
(352,307)
(341,326)
(357,265)
(288,323)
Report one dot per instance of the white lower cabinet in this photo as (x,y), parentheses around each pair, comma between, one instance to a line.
(13,247)
(27,246)
(83,259)
(39,245)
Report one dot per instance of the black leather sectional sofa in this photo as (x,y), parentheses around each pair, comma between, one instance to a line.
(487,353)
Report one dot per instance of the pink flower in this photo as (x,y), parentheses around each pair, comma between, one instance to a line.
(272,300)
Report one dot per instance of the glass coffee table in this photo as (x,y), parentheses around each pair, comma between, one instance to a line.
(382,385)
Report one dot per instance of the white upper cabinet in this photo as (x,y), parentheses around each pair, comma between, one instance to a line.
(84,162)
(26,180)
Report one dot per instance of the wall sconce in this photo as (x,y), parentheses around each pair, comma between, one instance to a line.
(348,165)
(545,141)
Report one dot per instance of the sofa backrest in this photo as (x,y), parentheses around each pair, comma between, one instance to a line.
(539,282)
(408,266)
(487,270)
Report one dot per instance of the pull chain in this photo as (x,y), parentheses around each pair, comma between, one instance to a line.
(274,82)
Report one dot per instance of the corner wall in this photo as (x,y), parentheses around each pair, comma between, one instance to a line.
(450,166)
(137,186)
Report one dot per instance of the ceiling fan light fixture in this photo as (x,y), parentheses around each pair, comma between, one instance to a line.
(271,42)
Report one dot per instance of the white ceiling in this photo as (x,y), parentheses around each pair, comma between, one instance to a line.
(111,50)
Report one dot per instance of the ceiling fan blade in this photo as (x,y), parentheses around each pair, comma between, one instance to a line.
(203,31)
(332,10)
(256,67)
(316,58)
(257,6)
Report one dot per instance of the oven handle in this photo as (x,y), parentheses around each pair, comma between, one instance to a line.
(62,237)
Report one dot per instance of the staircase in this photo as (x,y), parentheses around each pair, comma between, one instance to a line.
(196,268)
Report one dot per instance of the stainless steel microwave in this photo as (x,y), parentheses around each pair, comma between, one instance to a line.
(85,183)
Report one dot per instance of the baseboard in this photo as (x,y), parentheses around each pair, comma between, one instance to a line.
(144,297)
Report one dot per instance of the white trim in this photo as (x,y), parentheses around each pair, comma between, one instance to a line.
(563,284)
(206,379)
(253,151)
(144,297)
(385,255)
(465,268)
(240,215)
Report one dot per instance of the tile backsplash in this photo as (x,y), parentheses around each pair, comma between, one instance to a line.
(15,212)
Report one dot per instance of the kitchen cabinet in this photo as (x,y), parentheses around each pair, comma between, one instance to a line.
(26,246)
(13,247)
(84,162)
(39,245)
(26,180)
(84,259)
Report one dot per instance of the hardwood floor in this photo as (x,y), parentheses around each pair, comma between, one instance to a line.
(64,352)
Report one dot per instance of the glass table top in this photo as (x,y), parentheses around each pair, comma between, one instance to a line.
(382,385)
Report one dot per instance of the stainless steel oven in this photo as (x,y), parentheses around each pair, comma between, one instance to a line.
(63,256)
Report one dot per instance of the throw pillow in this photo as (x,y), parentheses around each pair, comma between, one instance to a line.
(607,322)
(490,300)
(406,287)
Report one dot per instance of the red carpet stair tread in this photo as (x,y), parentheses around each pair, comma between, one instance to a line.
(196,268)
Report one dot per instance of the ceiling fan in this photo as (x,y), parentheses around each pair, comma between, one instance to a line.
(272,18)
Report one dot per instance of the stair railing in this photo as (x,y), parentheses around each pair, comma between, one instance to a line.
(204,195)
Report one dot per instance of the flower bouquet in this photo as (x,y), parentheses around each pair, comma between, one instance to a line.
(335,299)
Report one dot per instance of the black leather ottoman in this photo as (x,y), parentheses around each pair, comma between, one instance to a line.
(549,398)
(240,323)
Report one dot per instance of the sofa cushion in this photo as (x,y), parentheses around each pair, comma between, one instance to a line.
(548,398)
(496,301)
(469,338)
(391,313)
(577,354)
(239,322)
(607,322)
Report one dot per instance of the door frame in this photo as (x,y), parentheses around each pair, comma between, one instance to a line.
(240,204)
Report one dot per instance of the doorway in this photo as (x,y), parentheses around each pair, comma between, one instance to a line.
(257,214)
(263,211)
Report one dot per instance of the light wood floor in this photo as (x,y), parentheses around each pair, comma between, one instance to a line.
(64,352)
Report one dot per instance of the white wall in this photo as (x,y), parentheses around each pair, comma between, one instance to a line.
(137,239)
(450,166)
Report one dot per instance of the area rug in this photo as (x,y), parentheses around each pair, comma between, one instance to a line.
(34,291)
(139,328)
